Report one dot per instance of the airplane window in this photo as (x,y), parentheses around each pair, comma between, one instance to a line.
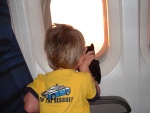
(90,17)
(43,12)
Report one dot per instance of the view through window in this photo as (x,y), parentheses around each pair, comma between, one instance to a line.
(85,15)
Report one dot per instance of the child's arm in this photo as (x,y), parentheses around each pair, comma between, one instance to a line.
(31,104)
(85,67)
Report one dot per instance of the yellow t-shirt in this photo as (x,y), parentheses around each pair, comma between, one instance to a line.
(64,91)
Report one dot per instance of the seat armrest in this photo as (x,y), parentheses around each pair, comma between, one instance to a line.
(110,104)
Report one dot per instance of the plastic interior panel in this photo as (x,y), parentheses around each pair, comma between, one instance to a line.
(110,104)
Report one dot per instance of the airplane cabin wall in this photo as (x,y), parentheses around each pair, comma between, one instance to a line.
(129,77)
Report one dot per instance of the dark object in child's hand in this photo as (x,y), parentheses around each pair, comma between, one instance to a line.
(90,48)
(94,66)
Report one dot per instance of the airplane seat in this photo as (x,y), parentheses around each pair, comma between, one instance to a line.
(110,104)
(30,21)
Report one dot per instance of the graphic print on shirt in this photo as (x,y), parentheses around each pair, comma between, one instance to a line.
(56,91)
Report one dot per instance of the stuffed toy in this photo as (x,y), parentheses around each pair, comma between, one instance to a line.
(94,66)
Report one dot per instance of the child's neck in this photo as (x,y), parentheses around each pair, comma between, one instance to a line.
(64,68)
(58,69)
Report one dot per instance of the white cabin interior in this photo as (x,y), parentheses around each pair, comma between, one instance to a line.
(126,68)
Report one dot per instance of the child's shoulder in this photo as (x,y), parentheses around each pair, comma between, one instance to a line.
(39,77)
(83,74)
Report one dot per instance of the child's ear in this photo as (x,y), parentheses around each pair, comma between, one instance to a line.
(81,59)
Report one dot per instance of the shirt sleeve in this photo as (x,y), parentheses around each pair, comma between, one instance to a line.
(90,87)
(34,86)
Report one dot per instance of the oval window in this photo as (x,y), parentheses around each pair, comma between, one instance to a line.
(85,15)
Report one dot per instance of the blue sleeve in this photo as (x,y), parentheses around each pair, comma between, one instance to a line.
(95,98)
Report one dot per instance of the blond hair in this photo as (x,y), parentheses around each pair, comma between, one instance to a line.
(64,46)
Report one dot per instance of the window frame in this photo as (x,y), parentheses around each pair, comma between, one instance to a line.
(103,51)
(144,30)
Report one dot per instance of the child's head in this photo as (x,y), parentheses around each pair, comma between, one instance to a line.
(64,46)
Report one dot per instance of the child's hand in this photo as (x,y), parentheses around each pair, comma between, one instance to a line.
(89,56)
